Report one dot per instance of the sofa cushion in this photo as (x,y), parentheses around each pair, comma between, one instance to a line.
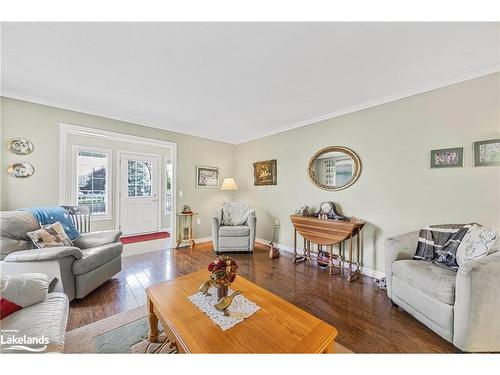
(435,281)
(234,231)
(95,257)
(24,289)
(47,318)
(13,228)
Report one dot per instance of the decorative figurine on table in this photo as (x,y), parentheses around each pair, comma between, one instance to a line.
(186,209)
(303,211)
(225,302)
(274,252)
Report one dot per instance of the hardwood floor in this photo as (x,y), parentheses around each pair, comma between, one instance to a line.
(362,314)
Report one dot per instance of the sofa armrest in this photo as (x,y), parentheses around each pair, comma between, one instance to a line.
(398,248)
(93,239)
(45,254)
(252,224)
(477,305)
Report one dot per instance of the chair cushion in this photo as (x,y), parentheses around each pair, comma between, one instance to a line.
(234,231)
(435,281)
(95,257)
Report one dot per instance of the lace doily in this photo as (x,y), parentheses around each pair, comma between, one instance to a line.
(240,309)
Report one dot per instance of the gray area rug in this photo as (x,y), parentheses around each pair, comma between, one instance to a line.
(122,333)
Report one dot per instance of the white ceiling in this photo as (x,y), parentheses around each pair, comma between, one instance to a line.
(237,81)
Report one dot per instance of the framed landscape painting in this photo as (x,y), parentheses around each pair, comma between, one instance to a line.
(447,157)
(207,177)
(265,172)
(487,153)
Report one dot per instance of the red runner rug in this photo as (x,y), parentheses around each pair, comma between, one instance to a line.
(144,237)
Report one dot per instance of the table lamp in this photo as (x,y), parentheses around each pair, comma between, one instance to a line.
(229,184)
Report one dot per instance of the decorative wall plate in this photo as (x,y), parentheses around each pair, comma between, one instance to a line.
(21,170)
(20,146)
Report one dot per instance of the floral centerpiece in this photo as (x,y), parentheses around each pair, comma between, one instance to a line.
(222,272)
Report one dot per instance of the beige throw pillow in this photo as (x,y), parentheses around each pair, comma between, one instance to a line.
(51,235)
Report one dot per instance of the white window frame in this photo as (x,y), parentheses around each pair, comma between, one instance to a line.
(167,211)
(109,178)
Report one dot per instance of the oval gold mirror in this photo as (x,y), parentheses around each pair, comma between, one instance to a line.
(334,168)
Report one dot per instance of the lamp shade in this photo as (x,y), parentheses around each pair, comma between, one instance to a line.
(229,184)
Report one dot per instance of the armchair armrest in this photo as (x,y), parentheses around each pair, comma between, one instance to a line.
(215,231)
(398,248)
(477,305)
(94,239)
(252,224)
(41,255)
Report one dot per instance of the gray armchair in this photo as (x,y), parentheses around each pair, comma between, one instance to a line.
(78,270)
(235,238)
(462,307)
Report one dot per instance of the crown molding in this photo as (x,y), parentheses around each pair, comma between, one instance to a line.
(109,115)
(372,103)
(388,99)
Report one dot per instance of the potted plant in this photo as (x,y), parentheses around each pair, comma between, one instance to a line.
(222,272)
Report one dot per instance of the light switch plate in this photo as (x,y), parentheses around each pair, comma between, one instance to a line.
(198,221)
(181,193)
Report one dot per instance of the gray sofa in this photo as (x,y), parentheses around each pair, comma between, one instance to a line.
(462,307)
(236,238)
(79,269)
(47,318)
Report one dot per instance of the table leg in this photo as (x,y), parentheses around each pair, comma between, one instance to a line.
(330,349)
(308,253)
(341,256)
(330,261)
(295,246)
(358,248)
(153,322)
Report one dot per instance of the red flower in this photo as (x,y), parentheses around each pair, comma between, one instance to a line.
(223,270)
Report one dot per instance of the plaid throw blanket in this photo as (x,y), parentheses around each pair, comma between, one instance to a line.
(439,243)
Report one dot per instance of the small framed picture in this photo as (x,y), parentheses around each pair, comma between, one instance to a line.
(207,177)
(265,172)
(487,153)
(447,157)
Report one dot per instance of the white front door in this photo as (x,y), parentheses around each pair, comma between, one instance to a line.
(139,204)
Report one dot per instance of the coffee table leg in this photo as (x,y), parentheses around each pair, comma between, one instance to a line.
(330,348)
(153,322)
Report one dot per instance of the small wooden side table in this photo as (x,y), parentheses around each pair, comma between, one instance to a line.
(185,236)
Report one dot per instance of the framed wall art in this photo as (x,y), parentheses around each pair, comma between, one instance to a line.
(207,177)
(265,172)
(487,153)
(447,158)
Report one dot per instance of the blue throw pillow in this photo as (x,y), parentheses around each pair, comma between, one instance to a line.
(50,215)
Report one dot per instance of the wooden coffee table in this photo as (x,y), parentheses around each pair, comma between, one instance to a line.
(278,327)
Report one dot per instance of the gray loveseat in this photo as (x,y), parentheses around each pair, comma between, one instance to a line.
(234,238)
(79,269)
(47,318)
(463,307)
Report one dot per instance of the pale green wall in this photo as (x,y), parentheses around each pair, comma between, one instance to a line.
(397,192)
(40,124)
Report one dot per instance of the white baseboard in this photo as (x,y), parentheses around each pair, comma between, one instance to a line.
(364,270)
(203,239)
